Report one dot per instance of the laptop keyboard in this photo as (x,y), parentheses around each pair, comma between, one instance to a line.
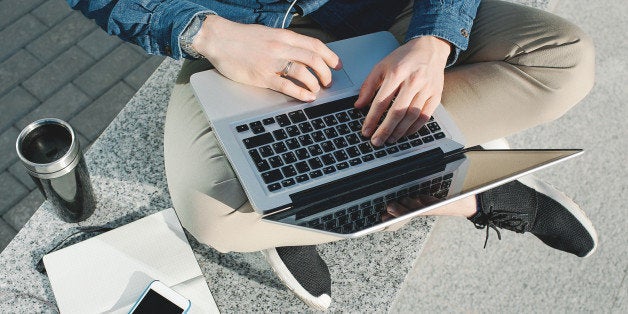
(302,145)
(369,213)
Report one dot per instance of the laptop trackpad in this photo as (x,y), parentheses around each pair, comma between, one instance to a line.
(339,81)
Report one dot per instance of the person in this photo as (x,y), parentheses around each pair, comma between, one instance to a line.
(497,67)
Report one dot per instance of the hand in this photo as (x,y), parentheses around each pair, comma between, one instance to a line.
(413,76)
(255,54)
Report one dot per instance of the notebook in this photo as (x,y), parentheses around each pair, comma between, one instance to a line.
(107,273)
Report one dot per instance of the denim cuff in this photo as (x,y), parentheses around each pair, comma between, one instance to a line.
(452,27)
(167,23)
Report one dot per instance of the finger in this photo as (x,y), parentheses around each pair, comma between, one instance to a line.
(396,209)
(368,89)
(386,216)
(380,104)
(426,113)
(406,102)
(414,203)
(287,87)
(314,61)
(313,44)
(299,72)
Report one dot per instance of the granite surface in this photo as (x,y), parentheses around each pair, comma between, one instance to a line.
(126,165)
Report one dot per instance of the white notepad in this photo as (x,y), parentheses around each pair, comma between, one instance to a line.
(107,273)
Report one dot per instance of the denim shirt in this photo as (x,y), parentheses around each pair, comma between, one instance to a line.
(156,25)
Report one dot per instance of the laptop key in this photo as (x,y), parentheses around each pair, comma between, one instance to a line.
(353,151)
(315,163)
(302,153)
(353,139)
(283,120)
(355,161)
(392,150)
(242,128)
(315,150)
(318,124)
(354,113)
(288,171)
(255,155)
(272,176)
(268,121)
(274,187)
(305,140)
(365,148)
(416,142)
(297,116)
(414,135)
(341,155)
(343,129)
(342,117)
(439,135)
(316,174)
(280,135)
(275,161)
(342,166)
(289,158)
(327,218)
(258,140)
(330,133)
(262,165)
(302,178)
(328,170)
(352,209)
(292,143)
(287,182)
(367,158)
(306,127)
(423,131)
(302,167)
(328,159)
(318,136)
(448,176)
(380,153)
(266,151)
(433,126)
(279,147)
(355,126)
(404,146)
(293,130)
(327,146)
(257,127)
(428,139)
(330,120)
(340,142)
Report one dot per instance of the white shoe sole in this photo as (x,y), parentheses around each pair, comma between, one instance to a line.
(565,201)
(279,268)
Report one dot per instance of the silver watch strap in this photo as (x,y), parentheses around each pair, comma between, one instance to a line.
(187,37)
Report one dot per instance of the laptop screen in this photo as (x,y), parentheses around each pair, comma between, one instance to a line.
(441,182)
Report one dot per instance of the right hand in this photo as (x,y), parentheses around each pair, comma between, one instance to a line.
(256,54)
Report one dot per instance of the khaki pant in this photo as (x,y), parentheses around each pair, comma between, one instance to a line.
(523,67)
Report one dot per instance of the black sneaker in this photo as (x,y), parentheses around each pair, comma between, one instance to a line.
(304,272)
(530,205)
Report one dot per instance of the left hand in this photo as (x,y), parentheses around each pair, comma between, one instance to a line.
(413,76)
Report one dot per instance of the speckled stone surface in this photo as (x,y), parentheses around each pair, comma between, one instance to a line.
(127,169)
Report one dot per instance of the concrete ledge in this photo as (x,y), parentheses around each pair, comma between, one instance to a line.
(126,164)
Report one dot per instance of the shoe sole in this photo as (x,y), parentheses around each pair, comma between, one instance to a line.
(566,202)
(279,268)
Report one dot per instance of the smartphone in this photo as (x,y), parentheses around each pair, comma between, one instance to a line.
(159,298)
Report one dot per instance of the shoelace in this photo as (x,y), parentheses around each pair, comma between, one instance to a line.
(500,219)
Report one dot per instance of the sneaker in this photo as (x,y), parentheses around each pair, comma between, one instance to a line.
(530,205)
(304,272)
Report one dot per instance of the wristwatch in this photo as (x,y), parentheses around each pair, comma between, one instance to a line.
(187,37)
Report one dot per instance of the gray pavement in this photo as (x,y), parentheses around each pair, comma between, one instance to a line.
(519,273)
(54,62)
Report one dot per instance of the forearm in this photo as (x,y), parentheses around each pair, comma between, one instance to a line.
(154,25)
(451,21)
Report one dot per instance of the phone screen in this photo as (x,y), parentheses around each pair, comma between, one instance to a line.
(153,302)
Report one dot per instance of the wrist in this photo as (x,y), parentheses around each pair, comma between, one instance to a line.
(440,47)
(203,40)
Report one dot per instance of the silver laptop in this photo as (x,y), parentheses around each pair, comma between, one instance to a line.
(307,165)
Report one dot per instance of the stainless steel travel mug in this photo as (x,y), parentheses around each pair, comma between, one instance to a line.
(51,153)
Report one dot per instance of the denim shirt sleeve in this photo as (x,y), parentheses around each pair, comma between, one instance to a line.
(450,20)
(155,25)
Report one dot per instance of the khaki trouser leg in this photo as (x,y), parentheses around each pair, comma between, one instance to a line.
(523,67)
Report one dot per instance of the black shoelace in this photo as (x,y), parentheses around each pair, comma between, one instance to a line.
(509,220)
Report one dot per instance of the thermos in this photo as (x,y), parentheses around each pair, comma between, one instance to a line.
(51,153)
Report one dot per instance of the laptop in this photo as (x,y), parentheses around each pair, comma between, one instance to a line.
(307,165)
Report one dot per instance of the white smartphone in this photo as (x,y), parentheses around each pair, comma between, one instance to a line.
(159,298)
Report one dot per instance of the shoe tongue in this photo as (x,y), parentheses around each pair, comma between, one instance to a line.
(514,200)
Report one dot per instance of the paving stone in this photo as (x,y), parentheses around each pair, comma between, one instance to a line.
(11,191)
(61,37)
(98,43)
(21,212)
(7,233)
(63,105)
(52,11)
(19,172)
(11,10)
(58,73)
(97,116)
(112,68)
(7,148)
(138,76)
(16,68)
(18,34)
(15,104)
